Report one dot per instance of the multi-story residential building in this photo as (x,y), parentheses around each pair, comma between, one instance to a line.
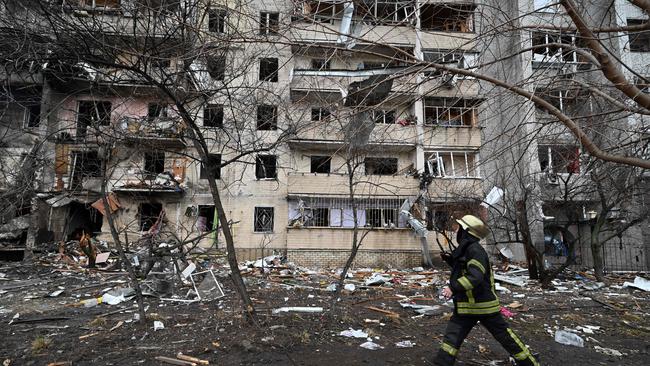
(284,96)
(547,168)
(291,97)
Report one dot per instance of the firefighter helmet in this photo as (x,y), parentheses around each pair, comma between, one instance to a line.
(474,226)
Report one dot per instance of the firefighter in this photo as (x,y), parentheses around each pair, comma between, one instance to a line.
(472,288)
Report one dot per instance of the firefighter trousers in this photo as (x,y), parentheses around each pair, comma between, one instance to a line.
(460,326)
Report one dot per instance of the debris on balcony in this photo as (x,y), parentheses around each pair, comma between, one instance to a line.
(168,127)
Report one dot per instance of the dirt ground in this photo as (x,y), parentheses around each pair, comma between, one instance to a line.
(51,329)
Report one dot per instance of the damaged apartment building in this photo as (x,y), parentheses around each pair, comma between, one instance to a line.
(567,195)
(290,97)
(324,87)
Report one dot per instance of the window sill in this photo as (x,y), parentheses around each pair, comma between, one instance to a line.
(266,179)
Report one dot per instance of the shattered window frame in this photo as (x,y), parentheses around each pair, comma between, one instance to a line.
(450,112)
(216,160)
(92,113)
(266,167)
(209,212)
(217,20)
(216,67)
(321,64)
(455,18)
(319,114)
(269,23)
(380,165)
(320,217)
(444,164)
(154,163)
(213,116)
(383,116)
(638,41)
(263,219)
(267,117)
(381,217)
(32,116)
(553,54)
(559,158)
(320,164)
(269,69)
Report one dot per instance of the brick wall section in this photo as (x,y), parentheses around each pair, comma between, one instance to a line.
(365,258)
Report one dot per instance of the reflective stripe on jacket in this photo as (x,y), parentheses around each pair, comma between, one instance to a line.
(472,280)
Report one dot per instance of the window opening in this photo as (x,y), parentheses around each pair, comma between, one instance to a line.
(217,20)
(320,114)
(154,163)
(263,219)
(148,214)
(267,118)
(269,69)
(639,41)
(92,113)
(265,167)
(213,116)
(217,67)
(215,163)
(269,23)
(321,164)
(381,166)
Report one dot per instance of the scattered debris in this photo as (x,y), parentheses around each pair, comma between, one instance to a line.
(158,325)
(569,339)
(405,344)
(198,361)
(370,345)
(351,333)
(174,361)
(608,351)
(350,287)
(640,283)
(298,309)
(377,279)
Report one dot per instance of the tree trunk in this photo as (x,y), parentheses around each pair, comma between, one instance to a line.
(597,253)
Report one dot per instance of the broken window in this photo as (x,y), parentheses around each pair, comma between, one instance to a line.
(320,114)
(453,164)
(92,113)
(85,164)
(320,64)
(213,116)
(447,18)
(450,112)
(148,214)
(383,116)
(381,217)
(559,159)
(639,41)
(318,11)
(269,69)
(217,67)
(269,23)
(33,115)
(267,117)
(156,110)
(321,164)
(217,20)
(318,217)
(381,166)
(214,162)
(205,221)
(567,100)
(263,220)
(265,167)
(547,47)
(460,59)
(154,163)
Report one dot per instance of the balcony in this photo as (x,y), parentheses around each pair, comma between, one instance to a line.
(329,31)
(331,82)
(366,185)
(340,238)
(159,132)
(451,136)
(388,137)
(442,189)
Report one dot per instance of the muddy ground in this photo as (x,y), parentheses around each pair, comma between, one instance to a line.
(51,329)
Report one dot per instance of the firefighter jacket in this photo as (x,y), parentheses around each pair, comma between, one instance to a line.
(472,279)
